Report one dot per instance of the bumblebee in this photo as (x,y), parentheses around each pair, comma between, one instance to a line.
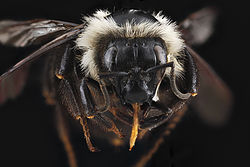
(122,75)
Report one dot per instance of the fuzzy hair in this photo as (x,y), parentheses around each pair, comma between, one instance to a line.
(99,26)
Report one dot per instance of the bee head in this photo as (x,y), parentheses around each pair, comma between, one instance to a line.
(128,48)
(131,66)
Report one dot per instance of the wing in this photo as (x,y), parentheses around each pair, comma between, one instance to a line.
(32,32)
(199,26)
(12,81)
(214,100)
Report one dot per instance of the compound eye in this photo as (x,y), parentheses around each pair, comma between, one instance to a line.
(160,54)
(109,57)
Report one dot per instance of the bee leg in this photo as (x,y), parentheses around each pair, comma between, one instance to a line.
(95,115)
(91,94)
(65,63)
(84,123)
(159,140)
(121,116)
(63,133)
(193,85)
(193,72)
(55,71)
(153,122)
(107,124)
(104,90)
(87,99)
(71,99)
(174,87)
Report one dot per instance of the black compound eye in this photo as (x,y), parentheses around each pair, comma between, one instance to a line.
(161,54)
(109,57)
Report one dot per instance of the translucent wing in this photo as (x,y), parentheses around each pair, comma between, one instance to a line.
(199,26)
(12,86)
(214,100)
(32,32)
(12,81)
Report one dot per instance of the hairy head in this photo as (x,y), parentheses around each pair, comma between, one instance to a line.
(103,27)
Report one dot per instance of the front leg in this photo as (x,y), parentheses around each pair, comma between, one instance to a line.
(193,81)
(70,100)
(86,99)
(155,121)
(92,96)
(67,86)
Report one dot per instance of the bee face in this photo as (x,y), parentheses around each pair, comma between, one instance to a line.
(134,57)
(130,29)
